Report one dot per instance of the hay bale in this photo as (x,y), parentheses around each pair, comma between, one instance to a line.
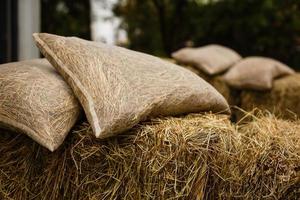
(282,100)
(260,161)
(192,157)
(162,159)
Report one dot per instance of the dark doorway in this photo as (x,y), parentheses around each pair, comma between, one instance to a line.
(8,30)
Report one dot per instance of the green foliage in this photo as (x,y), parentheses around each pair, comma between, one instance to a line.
(251,27)
(141,26)
(66,17)
(155,26)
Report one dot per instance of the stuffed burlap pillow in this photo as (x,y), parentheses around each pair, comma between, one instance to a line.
(35,100)
(118,87)
(256,73)
(211,59)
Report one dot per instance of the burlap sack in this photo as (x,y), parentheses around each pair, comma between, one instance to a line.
(211,59)
(35,100)
(118,87)
(256,73)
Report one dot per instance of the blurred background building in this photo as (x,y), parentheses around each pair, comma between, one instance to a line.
(8,30)
(251,27)
(83,18)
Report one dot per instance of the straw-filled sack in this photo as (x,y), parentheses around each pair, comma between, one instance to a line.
(256,73)
(35,100)
(211,59)
(118,87)
(216,81)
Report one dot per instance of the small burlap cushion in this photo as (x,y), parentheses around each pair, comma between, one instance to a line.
(256,73)
(211,59)
(35,100)
(118,87)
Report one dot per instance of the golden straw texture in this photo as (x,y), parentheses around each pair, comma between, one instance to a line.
(283,100)
(186,158)
(35,100)
(119,88)
(260,161)
(162,159)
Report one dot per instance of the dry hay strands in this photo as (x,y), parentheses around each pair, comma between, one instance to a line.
(162,159)
(283,99)
(193,157)
(260,161)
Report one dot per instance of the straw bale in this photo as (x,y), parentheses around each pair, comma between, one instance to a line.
(161,159)
(283,100)
(260,161)
(200,156)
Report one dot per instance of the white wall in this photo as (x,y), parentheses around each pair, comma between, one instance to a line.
(28,23)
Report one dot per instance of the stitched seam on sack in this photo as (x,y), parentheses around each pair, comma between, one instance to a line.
(89,101)
(25,129)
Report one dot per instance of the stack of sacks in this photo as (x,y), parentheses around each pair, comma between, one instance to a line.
(209,62)
(265,84)
(246,83)
(117,88)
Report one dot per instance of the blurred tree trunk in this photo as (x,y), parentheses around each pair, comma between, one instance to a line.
(160,8)
(170,21)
